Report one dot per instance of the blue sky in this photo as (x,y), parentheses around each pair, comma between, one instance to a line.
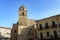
(37,9)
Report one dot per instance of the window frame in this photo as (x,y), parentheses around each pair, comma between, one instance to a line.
(46,25)
(47,33)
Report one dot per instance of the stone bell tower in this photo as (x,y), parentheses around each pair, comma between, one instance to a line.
(22,16)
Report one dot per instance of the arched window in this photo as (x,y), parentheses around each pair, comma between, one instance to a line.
(55,34)
(40,27)
(47,34)
(53,23)
(46,25)
(41,36)
(22,13)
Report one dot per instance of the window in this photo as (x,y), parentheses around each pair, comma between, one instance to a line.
(35,35)
(47,33)
(41,35)
(59,24)
(40,27)
(15,31)
(55,34)
(22,13)
(28,32)
(53,23)
(46,25)
(30,28)
(30,39)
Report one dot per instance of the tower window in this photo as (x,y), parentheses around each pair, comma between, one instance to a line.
(22,13)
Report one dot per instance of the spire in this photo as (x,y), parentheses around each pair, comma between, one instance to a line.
(22,8)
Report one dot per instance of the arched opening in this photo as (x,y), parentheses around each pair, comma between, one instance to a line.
(22,13)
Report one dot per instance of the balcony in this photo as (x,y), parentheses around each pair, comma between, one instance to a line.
(54,26)
(47,27)
(40,29)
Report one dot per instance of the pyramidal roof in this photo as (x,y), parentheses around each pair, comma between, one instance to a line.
(22,7)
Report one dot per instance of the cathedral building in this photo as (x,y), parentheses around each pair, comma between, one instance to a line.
(44,29)
(24,28)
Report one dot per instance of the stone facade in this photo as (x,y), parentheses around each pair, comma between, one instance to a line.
(21,28)
(49,28)
(5,33)
(27,29)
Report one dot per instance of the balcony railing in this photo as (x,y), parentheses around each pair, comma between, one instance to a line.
(48,27)
(40,29)
(54,26)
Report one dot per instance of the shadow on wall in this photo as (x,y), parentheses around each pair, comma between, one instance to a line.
(27,33)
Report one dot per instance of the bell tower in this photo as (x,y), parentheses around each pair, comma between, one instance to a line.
(22,16)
